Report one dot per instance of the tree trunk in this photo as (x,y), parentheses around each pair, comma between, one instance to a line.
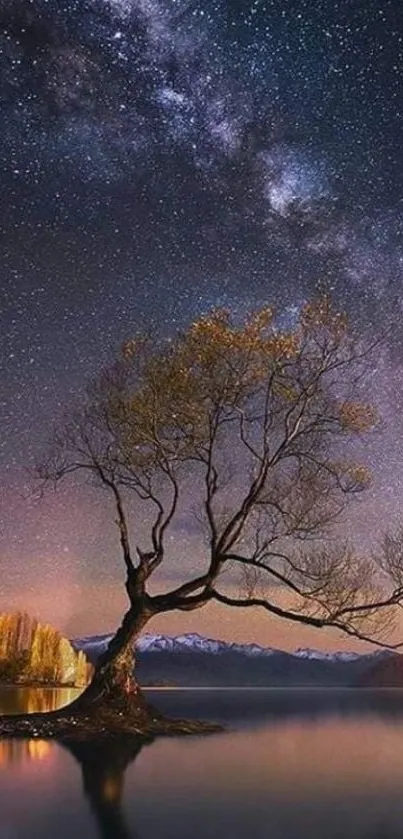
(114,688)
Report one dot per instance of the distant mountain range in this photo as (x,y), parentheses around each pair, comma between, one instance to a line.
(194,661)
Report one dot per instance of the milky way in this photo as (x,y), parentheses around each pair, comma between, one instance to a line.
(158,158)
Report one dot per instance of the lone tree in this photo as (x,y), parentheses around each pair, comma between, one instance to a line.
(251,426)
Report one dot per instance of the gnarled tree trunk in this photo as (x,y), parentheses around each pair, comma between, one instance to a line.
(114,688)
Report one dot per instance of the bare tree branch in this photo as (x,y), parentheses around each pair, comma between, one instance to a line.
(275,410)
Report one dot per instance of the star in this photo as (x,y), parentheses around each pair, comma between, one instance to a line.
(162,158)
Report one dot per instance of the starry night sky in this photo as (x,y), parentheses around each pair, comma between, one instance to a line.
(158,158)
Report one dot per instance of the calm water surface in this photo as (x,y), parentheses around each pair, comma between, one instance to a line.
(291,765)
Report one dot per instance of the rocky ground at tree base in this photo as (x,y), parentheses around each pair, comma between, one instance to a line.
(81,726)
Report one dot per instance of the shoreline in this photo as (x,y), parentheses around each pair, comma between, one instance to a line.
(227,688)
(38,686)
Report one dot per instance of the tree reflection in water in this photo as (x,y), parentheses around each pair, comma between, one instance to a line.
(103,765)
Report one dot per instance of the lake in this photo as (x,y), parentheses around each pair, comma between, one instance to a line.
(296,764)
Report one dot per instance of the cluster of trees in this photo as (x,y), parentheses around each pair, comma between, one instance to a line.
(35,652)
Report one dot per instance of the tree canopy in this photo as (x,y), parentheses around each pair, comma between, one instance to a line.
(250,426)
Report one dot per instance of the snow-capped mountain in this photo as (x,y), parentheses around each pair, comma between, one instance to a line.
(320,655)
(197,643)
(95,644)
(192,642)
(190,660)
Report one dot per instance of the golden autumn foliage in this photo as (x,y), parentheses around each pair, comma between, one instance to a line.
(34,652)
(360,475)
(212,335)
(320,315)
(357,416)
(223,365)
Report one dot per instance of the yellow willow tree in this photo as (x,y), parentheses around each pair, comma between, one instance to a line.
(252,427)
